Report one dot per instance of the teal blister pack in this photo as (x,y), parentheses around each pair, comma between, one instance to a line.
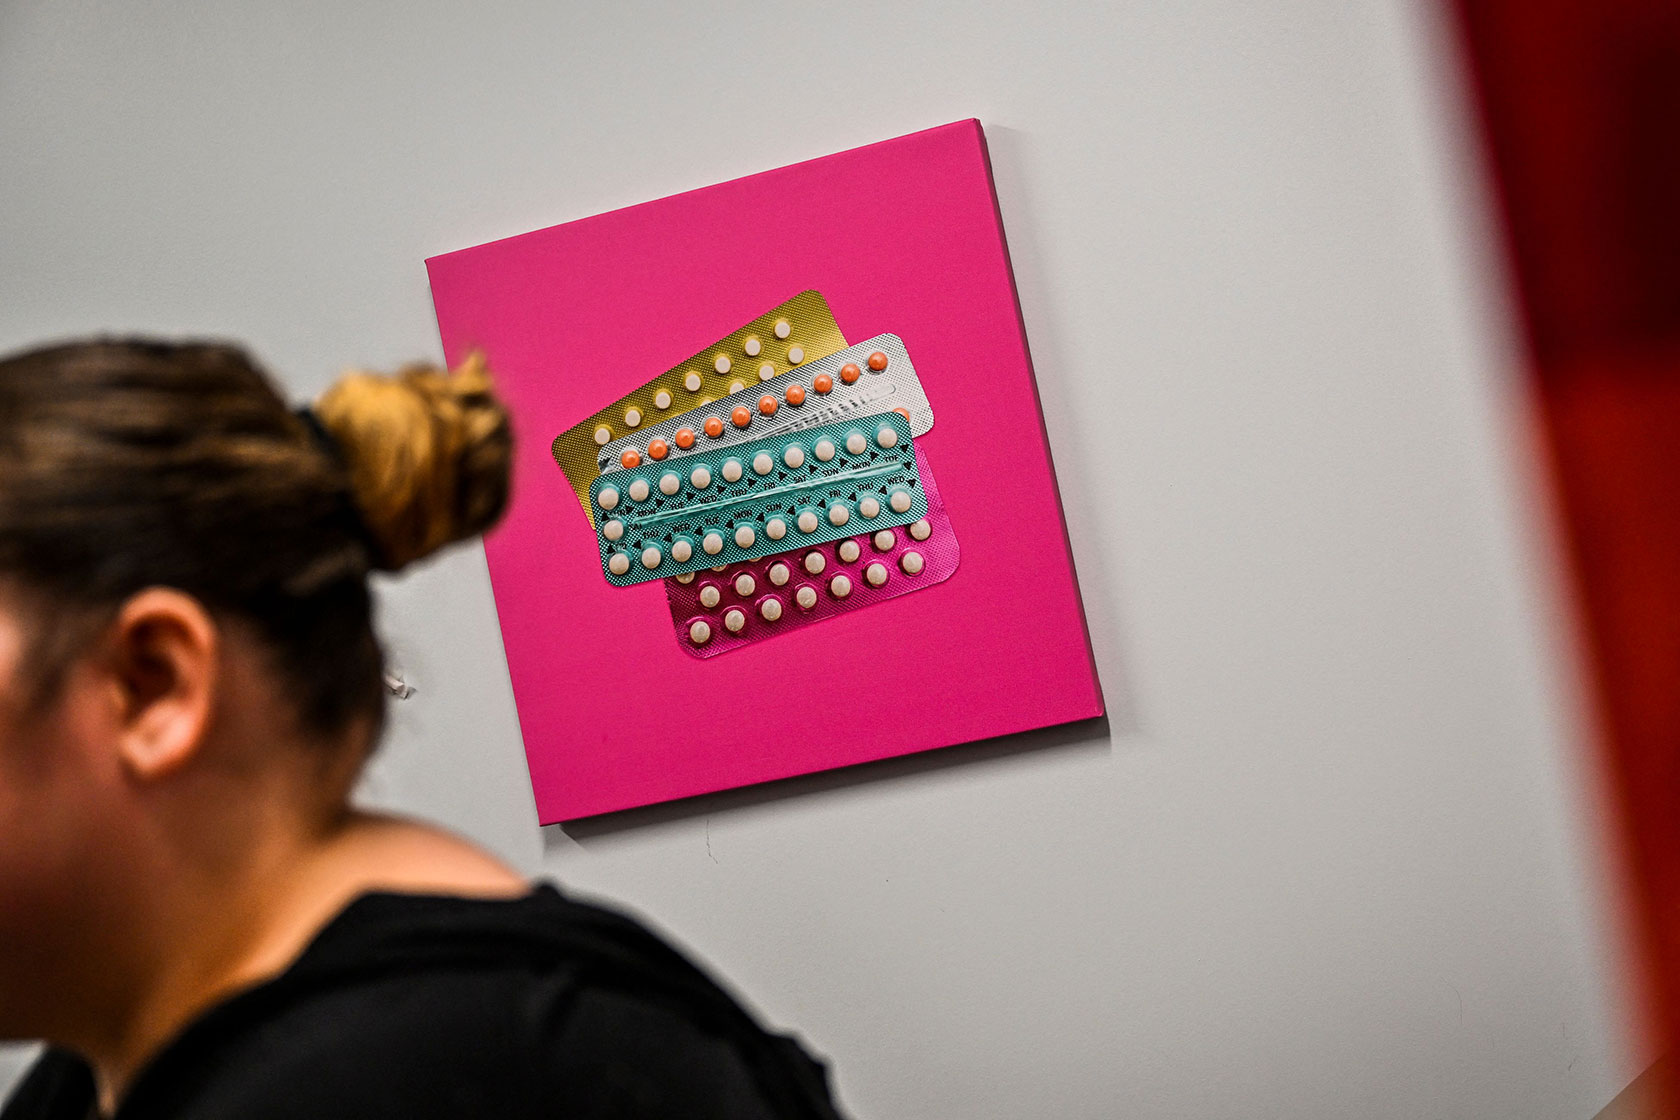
(756,499)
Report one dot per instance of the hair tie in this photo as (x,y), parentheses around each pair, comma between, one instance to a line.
(334,450)
(323,438)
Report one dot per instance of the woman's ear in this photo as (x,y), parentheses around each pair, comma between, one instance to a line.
(164,651)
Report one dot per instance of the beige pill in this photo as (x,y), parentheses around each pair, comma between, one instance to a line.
(770,609)
(710,596)
(745,537)
(745,584)
(700,478)
(692,382)
(884,540)
(815,562)
(876,574)
(806,597)
(722,363)
(848,551)
(732,470)
(869,506)
(887,436)
(712,543)
(796,354)
(618,563)
(921,530)
(662,399)
(856,444)
(900,501)
(686,577)
(734,619)
(912,563)
(603,435)
(824,450)
(607,498)
(752,346)
(682,552)
(778,573)
(669,483)
(807,521)
(700,632)
(838,514)
(632,416)
(775,528)
(639,490)
(766,371)
(651,557)
(613,529)
(794,456)
(763,463)
(840,586)
(783,328)
(737,385)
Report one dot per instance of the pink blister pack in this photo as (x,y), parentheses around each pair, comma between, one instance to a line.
(717,611)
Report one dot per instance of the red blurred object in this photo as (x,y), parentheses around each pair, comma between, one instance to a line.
(1581,103)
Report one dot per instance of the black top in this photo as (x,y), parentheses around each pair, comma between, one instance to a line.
(418,1006)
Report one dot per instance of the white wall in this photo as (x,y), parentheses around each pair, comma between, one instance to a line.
(1326,859)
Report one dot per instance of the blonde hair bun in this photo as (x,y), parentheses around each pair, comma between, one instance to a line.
(428,452)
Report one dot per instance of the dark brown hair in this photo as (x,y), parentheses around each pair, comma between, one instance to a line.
(133,464)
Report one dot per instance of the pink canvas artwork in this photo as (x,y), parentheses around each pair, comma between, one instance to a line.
(903,236)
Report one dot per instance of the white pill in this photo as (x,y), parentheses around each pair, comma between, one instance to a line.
(618,563)
(778,573)
(722,363)
(840,586)
(710,596)
(712,543)
(686,577)
(900,501)
(607,498)
(613,529)
(732,470)
(794,456)
(763,463)
(886,435)
(632,416)
(734,619)
(848,551)
(869,506)
(639,490)
(856,444)
(745,537)
(921,530)
(721,568)
(783,328)
(876,574)
(766,371)
(806,597)
(796,354)
(912,563)
(669,483)
(770,609)
(737,385)
(700,478)
(838,514)
(651,557)
(815,562)
(884,540)
(662,399)
(752,346)
(603,434)
(824,450)
(807,521)
(775,528)
(692,382)
(682,551)
(745,584)
(700,632)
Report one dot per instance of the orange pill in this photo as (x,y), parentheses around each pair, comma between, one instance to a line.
(877,361)
(630,458)
(713,426)
(684,438)
(822,383)
(742,416)
(658,449)
(796,394)
(767,404)
(850,372)
(904,412)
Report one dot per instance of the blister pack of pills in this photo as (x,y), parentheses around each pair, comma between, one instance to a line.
(757,499)
(871,377)
(717,611)
(785,337)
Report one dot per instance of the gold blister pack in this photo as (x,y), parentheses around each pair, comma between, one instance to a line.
(726,366)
